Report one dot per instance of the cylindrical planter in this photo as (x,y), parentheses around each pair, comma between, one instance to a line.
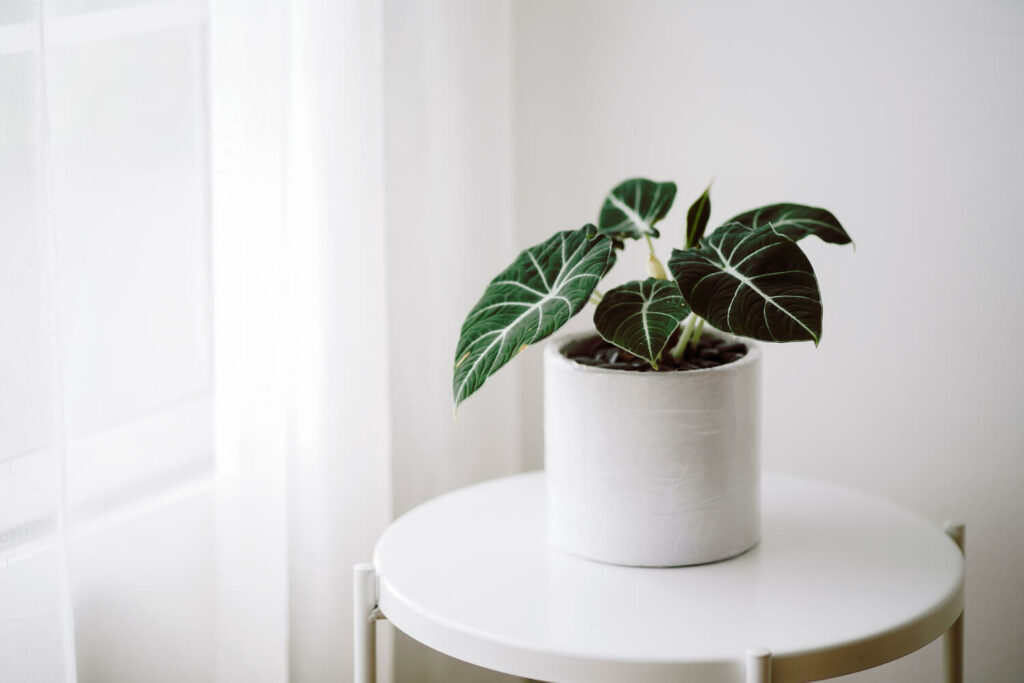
(654,469)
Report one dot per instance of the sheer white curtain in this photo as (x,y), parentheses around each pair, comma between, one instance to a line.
(248,78)
(237,239)
(362,166)
(299,264)
(36,624)
(450,226)
(106,423)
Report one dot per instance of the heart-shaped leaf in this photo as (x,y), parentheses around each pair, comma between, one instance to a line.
(751,282)
(545,286)
(640,316)
(697,218)
(634,207)
(796,221)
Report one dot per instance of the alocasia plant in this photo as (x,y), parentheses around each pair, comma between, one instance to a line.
(748,277)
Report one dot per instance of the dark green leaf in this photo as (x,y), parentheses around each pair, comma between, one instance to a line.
(640,316)
(545,286)
(697,218)
(751,282)
(796,221)
(634,207)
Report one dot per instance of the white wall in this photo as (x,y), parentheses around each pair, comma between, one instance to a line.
(902,118)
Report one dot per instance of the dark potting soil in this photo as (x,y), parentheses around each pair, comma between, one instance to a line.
(710,352)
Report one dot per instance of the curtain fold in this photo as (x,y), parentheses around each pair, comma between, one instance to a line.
(339,492)
(248,81)
(300,266)
(396,175)
(395,170)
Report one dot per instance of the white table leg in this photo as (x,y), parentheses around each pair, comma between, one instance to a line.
(953,641)
(364,623)
(759,665)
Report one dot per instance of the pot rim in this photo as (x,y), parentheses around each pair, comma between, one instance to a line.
(553,353)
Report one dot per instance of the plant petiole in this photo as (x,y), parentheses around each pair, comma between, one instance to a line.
(654,267)
(650,245)
(679,349)
(697,333)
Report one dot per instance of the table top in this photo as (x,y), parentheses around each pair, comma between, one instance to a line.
(840,582)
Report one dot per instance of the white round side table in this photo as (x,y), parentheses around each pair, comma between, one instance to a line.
(840,582)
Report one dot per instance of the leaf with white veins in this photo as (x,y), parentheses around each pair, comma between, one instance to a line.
(634,207)
(796,221)
(751,282)
(697,218)
(640,316)
(545,286)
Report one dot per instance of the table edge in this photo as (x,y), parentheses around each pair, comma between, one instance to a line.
(495,653)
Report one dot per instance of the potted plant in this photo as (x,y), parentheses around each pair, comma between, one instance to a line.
(652,425)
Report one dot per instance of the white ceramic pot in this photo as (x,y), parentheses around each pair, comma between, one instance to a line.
(653,469)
